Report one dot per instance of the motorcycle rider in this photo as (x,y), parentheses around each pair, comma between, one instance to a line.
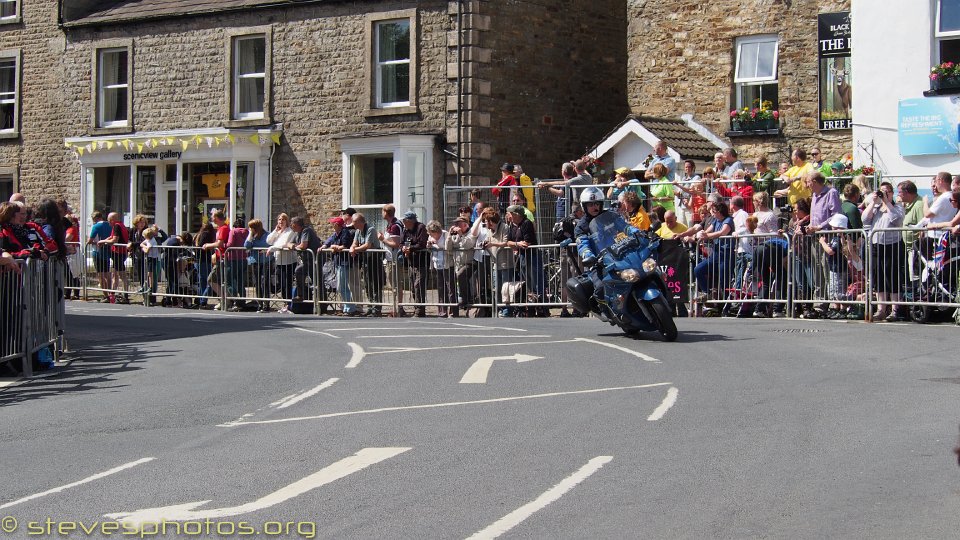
(591,242)
(588,241)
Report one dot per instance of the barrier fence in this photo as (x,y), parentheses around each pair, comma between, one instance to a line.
(850,273)
(840,274)
(32,314)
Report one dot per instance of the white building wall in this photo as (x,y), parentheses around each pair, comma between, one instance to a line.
(893,50)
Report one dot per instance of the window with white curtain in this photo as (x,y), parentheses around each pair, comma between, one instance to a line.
(392,50)
(113,87)
(249,77)
(755,75)
(9,94)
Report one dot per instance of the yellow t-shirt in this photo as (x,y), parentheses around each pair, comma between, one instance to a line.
(667,233)
(798,188)
(640,220)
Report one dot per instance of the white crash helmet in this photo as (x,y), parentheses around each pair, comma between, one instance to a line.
(591,194)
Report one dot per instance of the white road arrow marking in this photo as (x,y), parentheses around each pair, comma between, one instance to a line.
(188,511)
(517,517)
(477,374)
(356,355)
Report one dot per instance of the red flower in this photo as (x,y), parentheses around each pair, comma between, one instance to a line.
(776,115)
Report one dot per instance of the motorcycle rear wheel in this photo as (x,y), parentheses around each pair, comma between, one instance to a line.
(668,328)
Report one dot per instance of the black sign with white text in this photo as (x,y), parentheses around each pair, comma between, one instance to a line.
(833,53)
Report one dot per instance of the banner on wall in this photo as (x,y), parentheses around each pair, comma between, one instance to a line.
(833,53)
(927,126)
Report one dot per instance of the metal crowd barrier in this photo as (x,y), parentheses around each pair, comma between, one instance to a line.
(32,315)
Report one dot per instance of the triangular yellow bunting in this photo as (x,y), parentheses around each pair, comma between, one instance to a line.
(275,138)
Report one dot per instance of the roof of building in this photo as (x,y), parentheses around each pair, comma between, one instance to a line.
(679,135)
(97,12)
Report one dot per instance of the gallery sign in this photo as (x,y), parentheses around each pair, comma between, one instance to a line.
(833,52)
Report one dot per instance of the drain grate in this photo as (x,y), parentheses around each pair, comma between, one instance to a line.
(798,331)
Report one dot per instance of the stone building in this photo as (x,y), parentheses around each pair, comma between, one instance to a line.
(683,58)
(173,107)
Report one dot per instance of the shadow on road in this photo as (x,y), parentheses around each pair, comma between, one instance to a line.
(103,346)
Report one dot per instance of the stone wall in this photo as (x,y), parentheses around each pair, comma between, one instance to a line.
(542,82)
(38,153)
(549,81)
(682,58)
(318,54)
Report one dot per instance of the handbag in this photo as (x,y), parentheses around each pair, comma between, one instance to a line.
(512,292)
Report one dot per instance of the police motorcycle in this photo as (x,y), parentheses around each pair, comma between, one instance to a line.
(624,287)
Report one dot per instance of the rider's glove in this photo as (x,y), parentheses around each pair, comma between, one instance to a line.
(589,262)
(566,242)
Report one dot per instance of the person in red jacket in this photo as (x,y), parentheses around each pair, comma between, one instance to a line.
(740,187)
(119,242)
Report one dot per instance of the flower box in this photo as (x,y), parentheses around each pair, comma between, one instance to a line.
(765,124)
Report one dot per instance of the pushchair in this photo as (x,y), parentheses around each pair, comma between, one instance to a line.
(937,278)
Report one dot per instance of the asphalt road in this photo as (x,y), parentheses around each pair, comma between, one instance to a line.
(385,428)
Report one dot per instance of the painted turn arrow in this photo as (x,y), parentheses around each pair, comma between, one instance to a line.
(477,374)
(190,512)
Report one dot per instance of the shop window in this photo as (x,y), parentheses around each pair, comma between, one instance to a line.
(113,87)
(249,77)
(394,170)
(9,11)
(755,75)
(392,39)
(9,93)
(111,190)
(371,179)
(947,31)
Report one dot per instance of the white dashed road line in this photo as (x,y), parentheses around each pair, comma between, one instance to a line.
(517,517)
(97,476)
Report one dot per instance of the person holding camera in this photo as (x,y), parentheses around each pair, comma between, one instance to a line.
(887,249)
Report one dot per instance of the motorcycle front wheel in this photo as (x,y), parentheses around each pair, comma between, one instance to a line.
(668,329)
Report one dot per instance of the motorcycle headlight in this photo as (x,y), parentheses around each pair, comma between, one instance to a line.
(649,265)
(629,275)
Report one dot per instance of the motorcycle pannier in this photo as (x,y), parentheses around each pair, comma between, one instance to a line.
(579,291)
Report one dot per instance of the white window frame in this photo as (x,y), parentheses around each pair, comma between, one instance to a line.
(406,150)
(738,82)
(13,55)
(750,40)
(101,95)
(939,36)
(378,65)
(237,77)
(16,12)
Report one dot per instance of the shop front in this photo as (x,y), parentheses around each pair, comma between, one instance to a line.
(177,178)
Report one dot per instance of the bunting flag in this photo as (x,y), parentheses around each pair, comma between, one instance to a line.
(139,144)
(940,250)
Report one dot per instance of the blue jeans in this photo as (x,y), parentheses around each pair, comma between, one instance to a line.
(343,288)
(709,271)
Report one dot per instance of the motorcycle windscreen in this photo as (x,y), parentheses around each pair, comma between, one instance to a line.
(607,229)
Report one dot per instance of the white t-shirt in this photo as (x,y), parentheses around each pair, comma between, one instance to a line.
(744,245)
(766,222)
(943,210)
